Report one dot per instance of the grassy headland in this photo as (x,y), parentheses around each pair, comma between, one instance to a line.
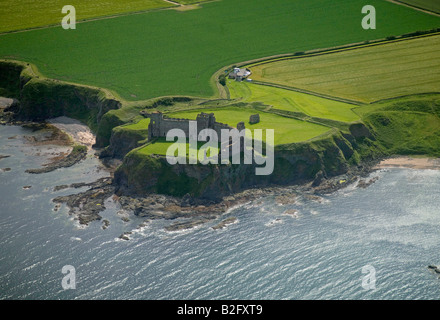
(164,60)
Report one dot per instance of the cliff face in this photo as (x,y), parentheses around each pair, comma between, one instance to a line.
(104,131)
(296,163)
(10,79)
(42,98)
(123,141)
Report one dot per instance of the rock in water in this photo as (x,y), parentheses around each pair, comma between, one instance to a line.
(105,224)
(224,223)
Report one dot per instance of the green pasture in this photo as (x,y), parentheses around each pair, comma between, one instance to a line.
(161,145)
(293,101)
(169,52)
(287,130)
(140,125)
(24,14)
(366,74)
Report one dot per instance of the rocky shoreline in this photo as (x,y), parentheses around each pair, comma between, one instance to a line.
(186,212)
(55,136)
(77,154)
(86,205)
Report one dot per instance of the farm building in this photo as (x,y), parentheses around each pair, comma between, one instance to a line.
(239,74)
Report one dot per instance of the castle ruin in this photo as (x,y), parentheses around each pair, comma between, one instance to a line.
(159,125)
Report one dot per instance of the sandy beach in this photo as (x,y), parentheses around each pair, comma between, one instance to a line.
(410,162)
(5,102)
(77,130)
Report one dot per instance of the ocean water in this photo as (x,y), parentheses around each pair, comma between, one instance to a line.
(392,226)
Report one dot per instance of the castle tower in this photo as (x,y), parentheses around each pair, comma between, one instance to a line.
(155,124)
(205,121)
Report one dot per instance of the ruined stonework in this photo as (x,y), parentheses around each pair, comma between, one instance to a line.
(254,119)
(159,125)
(240,126)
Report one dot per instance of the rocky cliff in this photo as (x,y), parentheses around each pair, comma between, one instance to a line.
(327,156)
(41,98)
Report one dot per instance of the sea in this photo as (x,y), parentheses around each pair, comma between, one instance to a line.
(373,243)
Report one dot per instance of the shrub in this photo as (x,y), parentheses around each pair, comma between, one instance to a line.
(222,79)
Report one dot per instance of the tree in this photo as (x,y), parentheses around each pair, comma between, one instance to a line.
(222,79)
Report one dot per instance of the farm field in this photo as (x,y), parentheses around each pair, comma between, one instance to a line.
(23,14)
(293,101)
(366,74)
(432,5)
(167,52)
(287,130)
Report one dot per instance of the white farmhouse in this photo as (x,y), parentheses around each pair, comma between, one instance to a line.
(239,74)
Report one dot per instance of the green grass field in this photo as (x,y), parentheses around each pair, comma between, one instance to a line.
(293,101)
(366,74)
(287,130)
(140,125)
(160,146)
(24,14)
(168,52)
(432,5)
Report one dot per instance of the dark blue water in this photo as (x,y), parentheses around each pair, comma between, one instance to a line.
(393,226)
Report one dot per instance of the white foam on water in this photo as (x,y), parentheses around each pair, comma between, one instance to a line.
(274,222)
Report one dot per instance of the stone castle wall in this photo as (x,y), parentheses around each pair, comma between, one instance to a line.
(159,126)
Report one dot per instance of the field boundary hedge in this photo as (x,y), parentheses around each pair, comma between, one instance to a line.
(415,7)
